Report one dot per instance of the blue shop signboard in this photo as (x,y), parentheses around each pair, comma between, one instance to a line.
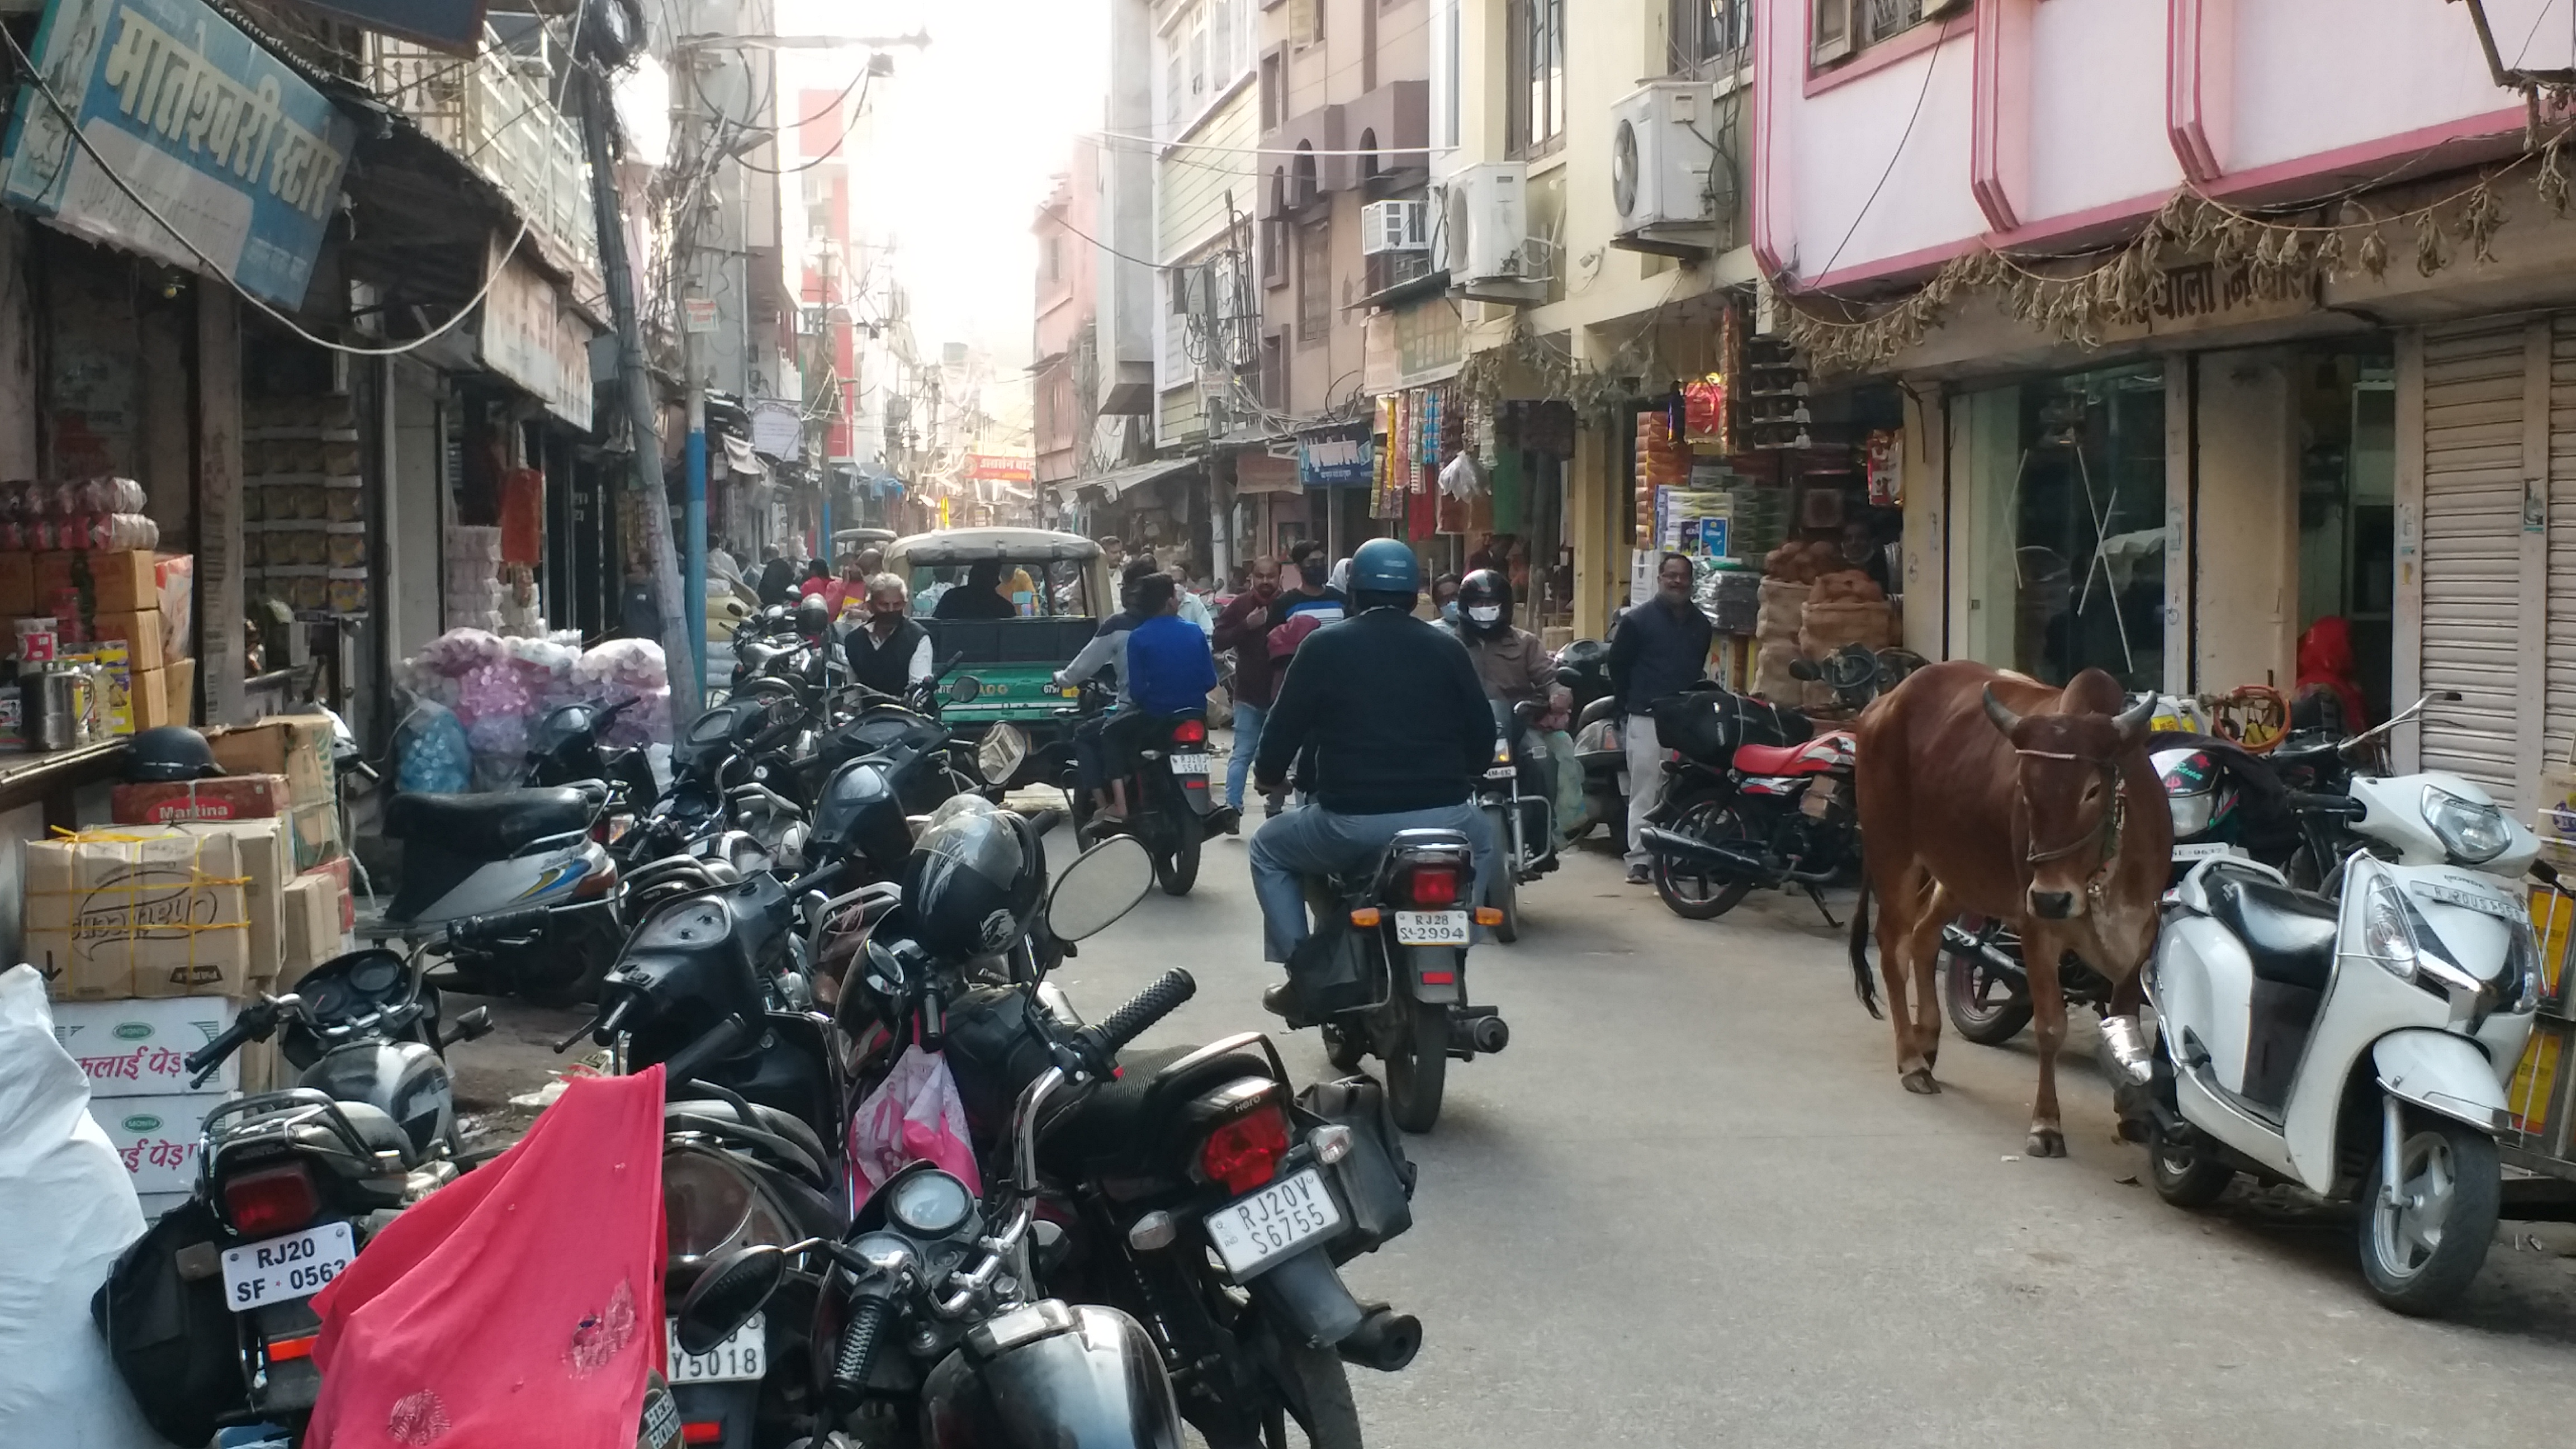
(222,139)
(1337,463)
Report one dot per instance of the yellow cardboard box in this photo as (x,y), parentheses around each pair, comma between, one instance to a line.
(112,915)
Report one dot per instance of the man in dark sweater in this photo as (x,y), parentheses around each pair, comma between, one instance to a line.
(1244,626)
(1401,733)
(1658,648)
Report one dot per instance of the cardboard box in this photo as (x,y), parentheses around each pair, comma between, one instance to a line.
(179,690)
(110,917)
(156,1137)
(311,927)
(297,746)
(266,862)
(136,1048)
(147,699)
(55,575)
(124,582)
(17,584)
(338,869)
(141,632)
(169,802)
(315,830)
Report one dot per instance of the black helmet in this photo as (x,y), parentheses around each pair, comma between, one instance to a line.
(169,752)
(859,814)
(812,618)
(974,880)
(1485,603)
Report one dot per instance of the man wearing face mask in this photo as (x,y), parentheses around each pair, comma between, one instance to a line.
(1658,648)
(1516,669)
(888,652)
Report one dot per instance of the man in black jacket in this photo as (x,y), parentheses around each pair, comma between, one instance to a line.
(1658,648)
(1400,733)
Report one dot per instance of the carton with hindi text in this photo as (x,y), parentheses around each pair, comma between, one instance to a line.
(112,916)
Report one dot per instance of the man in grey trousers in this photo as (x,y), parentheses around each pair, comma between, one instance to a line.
(1660,647)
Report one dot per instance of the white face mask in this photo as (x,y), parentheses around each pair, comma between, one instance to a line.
(1485,613)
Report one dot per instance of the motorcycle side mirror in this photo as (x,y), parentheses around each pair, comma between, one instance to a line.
(964,688)
(1103,885)
(726,1295)
(1805,669)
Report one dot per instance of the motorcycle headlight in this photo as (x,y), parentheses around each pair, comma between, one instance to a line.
(1000,752)
(711,1205)
(2473,833)
(2386,935)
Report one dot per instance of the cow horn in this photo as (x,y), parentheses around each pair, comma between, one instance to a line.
(2004,719)
(2132,722)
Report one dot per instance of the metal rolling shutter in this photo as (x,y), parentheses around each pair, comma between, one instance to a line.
(2559,720)
(2473,473)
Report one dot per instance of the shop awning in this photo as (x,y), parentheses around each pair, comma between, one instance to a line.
(1118,480)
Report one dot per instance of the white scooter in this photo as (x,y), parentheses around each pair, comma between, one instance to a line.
(2356,1043)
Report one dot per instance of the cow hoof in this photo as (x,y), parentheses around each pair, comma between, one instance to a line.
(2047,1142)
(1919,1081)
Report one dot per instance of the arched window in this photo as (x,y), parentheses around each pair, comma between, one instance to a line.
(1368,156)
(1302,194)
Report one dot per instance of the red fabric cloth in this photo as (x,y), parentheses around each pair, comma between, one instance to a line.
(520,1305)
(2326,662)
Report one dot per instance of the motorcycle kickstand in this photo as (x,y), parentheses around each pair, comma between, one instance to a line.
(1816,893)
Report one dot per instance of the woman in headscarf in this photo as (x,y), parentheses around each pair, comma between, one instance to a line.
(2328,694)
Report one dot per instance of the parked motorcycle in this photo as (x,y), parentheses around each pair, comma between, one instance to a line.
(1583,667)
(207,1315)
(508,851)
(2358,1044)
(1385,972)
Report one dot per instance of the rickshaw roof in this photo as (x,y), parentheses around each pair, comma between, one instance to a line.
(1007,545)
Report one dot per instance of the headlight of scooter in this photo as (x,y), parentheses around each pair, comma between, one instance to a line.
(2385,935)
(2522,970)
(2473,833)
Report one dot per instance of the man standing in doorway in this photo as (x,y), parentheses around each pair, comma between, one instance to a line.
(1244,627)
(1661,646)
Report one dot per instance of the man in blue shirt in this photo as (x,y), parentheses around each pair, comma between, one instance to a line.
(1168,671)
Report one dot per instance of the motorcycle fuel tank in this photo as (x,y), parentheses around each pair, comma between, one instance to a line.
(1052,1376)
(402,1079)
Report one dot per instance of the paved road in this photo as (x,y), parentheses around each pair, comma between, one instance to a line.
(1691,1206)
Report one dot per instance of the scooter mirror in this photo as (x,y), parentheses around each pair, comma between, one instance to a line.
(964,688)
(1094,891)
(726,1295)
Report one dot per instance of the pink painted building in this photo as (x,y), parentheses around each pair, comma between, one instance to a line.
(2346,389)
(1064,380)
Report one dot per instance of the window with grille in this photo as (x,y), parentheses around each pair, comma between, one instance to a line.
(1710,35)
(1314,283)
(1534,72)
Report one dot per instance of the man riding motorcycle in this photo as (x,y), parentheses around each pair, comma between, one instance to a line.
(1516,670)
(1400,732)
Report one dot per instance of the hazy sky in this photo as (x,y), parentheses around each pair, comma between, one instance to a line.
(966,138)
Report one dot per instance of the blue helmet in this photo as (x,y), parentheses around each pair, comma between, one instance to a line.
(1385,566)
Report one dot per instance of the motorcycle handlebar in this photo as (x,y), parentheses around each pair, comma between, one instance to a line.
(202,1062)
(475,931)
(690,1059)
(2308,802)
(1130,1021)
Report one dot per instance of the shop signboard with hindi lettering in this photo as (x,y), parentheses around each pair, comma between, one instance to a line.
(221,138)
(1337,462)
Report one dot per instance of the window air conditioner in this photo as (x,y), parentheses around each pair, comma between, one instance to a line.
(1394,226)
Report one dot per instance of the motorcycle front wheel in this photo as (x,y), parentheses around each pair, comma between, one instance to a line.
(2420,1253)
(1417,1062)
(1694,892)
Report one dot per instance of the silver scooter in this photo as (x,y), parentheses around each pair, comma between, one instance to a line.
(2358,1043)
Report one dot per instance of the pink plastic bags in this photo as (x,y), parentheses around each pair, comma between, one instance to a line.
(914,1115)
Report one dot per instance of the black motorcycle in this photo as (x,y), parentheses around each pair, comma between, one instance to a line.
(1516,797)
(1170,809)
(208,1315)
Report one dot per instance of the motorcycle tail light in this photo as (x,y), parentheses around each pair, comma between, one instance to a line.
(1189,732)
(271,1200)
(1244,1153)
(1433,885)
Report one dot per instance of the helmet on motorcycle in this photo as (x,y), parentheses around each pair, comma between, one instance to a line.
(1485,603)
(564,746)
(169,752)
(859,815)
(974,881)
(812,618)
(1385,571)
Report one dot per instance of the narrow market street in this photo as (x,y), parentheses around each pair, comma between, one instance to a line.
(1691,1206)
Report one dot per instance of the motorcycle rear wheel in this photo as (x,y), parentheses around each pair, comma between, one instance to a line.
(1320,1385)
(1701,895)
(2188,1177)
(1417,1063)
(1177,869)
(1980,1006)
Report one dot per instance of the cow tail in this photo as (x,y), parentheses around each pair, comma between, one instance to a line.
(1864,981)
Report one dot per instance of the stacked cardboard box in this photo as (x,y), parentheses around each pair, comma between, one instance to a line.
(141,1093)
(296,748)
(127,610)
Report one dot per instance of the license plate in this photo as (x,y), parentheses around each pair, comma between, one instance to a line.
(738,1359)
(294,1266)
(1189,764)
(2207,850)
(1251,1233)
(1431,928)
(2485,905)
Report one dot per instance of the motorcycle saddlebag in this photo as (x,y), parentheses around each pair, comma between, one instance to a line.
(169,1331)
(1707,725)
(1330,970)
(1375,1181)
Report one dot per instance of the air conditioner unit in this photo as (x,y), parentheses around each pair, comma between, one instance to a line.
(1482,232)
(1394,226)
(1661,149)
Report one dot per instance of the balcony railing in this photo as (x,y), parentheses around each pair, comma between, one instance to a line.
(496,111)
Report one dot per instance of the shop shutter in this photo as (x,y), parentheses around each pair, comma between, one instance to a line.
(2559,720)
(2472,551)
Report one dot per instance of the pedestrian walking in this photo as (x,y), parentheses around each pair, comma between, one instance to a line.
(1661,646)
(1244,627)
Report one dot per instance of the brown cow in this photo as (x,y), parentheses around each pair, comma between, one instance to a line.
(1990,792)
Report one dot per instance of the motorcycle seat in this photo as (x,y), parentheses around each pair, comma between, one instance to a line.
(1127,1120)
(494,826)
(2289,935)
(380,1132)
(1776,760)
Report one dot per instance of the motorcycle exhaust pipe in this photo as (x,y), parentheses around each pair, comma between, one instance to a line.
(1489,1034)
(1385,1340)
(1996,959)
(1701,852)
